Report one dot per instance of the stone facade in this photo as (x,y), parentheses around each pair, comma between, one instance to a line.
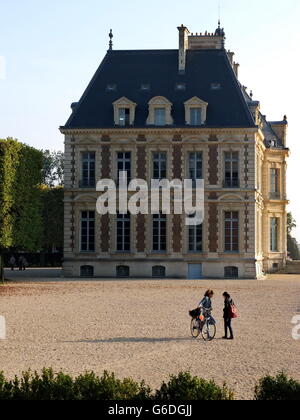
(252,199)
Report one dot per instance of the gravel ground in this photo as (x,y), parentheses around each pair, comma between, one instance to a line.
(141,329)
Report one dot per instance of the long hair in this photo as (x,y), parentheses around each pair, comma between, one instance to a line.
(227,295)
(209,292)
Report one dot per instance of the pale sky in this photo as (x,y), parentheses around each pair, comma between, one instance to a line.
(50,50)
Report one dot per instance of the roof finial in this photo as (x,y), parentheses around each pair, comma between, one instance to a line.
(111,35)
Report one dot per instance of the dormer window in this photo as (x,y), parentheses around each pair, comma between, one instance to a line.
(124,112)
(159,116)
(195,111)
(195,116)
(160,112)
(124,117)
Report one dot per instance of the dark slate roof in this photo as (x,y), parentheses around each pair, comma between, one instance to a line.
(128,70)
(272,140)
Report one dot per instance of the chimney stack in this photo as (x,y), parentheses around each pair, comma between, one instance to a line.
(183,46)
(236,69)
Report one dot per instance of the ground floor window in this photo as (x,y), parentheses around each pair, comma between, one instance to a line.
(87,243)
(195,238)
(159,232)
(231,272)
(274,228)
(158,271)
(86,271)
(123,232)
(231,231)
(123,271)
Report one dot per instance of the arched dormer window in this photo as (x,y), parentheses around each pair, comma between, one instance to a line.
(160,112)
(195,111)
(124,112)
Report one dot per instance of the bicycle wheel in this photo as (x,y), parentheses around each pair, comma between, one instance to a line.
(195,331)
(209,331)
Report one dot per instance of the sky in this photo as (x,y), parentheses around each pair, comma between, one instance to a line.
(49,51)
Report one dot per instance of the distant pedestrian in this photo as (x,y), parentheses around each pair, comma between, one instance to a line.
(229,314)
(25,264)
(12,263)
(22,263)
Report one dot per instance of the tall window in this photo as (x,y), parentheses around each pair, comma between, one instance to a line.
(195,166)
(124,117)
(87,231)
(159,232)
(274,228)
(231,170)
(124,164)
(88,174)
(195,116)
(274,183)
(159,165)
(232,231)
(195,238)
(123,232)
(160,116)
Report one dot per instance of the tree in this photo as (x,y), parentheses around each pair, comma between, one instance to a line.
(53,217)
(53,168)
(291,223)
(20,204)
(292,245)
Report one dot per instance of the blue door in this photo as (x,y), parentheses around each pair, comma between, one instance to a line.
(195,272)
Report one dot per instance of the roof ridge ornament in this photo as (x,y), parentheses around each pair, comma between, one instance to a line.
(111,35)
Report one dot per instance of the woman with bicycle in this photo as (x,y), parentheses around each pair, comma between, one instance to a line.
(206,305)
(202,321)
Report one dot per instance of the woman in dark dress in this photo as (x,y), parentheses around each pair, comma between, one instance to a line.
(228,302)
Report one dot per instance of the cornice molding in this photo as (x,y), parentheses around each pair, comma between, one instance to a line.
(152,130)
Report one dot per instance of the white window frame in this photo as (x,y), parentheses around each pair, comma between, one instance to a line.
(124,219)
(274,230)
(159,219)
(232,162)
(88,220)
(160,161)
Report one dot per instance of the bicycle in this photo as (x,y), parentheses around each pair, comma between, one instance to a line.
(205,325)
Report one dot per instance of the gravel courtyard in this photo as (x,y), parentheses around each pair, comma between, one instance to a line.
(141,329)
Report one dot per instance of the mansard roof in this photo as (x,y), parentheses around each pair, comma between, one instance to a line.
(208,75)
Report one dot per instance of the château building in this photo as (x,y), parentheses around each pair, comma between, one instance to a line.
(175,114)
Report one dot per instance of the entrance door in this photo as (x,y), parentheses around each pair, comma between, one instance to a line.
(195,272)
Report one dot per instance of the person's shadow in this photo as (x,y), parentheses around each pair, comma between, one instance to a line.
(134,340)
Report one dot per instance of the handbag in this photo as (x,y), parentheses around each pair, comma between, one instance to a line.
(233,312)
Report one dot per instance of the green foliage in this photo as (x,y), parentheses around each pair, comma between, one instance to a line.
(292,245)
(291,223)
(108,387)
(20,204)
(185,387)
(9,160)
(279,388)
(51,386)
(53,217)
(293,248)
(53,168)
(28,227)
